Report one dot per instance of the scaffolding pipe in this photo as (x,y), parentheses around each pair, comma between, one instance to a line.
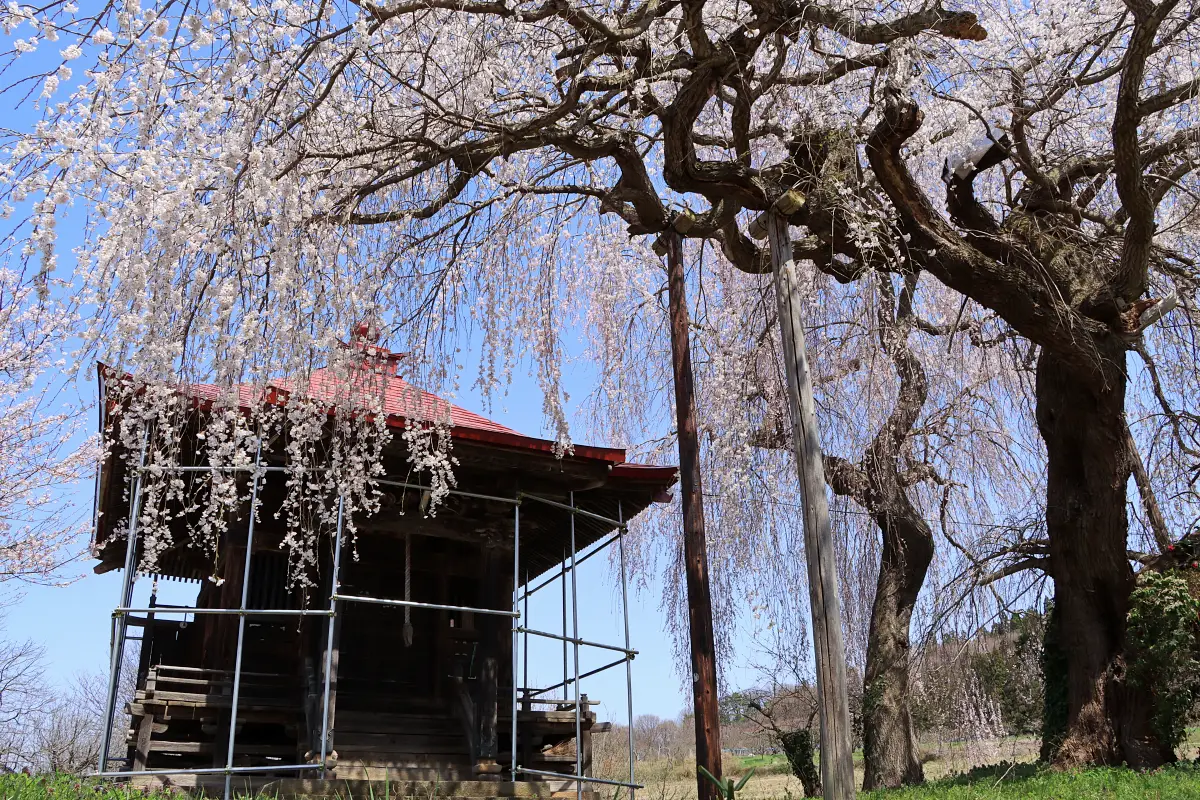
(564,622)
(582,559)
(159,469)
(241,637)
(174,668)
(351,598)
(575,630)
(117,643)
(246,612)
(334,584)
(512,745)
(204,770)
(628,662)
(578,778)
(575,512)
(577,641)
(525,643)
(588,674)
(456,492)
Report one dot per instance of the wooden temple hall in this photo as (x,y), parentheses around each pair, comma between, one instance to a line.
(406,663)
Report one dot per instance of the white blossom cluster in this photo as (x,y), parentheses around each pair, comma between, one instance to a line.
(39,437)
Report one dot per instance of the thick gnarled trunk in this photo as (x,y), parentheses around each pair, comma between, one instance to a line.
(1083,425)
(890,754)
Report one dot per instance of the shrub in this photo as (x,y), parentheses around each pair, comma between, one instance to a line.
(1054,683)
(1163,636)
(799,748)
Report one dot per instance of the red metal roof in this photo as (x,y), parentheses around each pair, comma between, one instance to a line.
(401,399)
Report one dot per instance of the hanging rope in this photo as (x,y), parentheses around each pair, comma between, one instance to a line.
(408,628)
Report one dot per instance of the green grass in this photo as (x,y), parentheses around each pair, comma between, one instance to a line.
(1010,782)
(69,787)
(1003,782)
(765,763)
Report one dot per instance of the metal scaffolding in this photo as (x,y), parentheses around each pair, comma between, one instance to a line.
(523,695)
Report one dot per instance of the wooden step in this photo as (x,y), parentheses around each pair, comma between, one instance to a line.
(400,744)
(199,700)
(159,746)
(393,723)
(398,773)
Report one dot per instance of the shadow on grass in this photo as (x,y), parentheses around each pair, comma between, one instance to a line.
(1004,772)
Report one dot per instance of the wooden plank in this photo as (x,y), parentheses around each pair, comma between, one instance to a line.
(161,668)
(158,746)
(487,688)
(184,711)
(453,729)
(548,716)
(585,752)
(415,742)
(218,700)
(141,752)
(837,770)
(223,684)
(418,714)
(436,774)
(404,760)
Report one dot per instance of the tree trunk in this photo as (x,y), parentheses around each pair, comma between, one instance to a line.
(1081,419)
(890,754)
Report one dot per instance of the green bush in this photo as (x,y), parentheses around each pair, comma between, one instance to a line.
(1163,638)
(1054,683)
(1010,671)
(799,748)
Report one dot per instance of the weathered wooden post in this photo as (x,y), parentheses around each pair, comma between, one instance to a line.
(695,552)
(837,764)
(487,766)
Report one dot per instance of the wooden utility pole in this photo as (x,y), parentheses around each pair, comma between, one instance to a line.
(695,552)
(837,765)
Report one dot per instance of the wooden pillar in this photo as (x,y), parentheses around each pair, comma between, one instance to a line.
(487,767)
(141,748)
(585,739)
(441,635)
(695,553)
(145,681)
(837,766)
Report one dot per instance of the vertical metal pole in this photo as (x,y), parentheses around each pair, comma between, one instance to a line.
(628,657)
(334,586)
(565,684)
(525,639)
(118,639)
(515,640)
(241,640)
(575,635)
